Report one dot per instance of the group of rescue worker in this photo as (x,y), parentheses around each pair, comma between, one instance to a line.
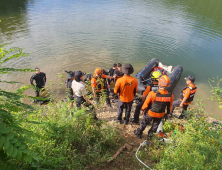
(156,103)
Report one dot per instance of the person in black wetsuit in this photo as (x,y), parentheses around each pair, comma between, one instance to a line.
(118,72)
(111,73)
(40,80)
(69,86)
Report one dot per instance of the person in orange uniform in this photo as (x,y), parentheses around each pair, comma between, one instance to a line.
(186,96)
(99,85)
(154,107)
(154,86)
(126,88)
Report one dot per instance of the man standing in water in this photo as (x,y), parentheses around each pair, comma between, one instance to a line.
(126,88)
(186,96)
(40,81)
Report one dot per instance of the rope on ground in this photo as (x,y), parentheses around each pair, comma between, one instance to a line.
(142,144)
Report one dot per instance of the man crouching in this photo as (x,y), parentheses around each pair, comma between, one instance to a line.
(154,107)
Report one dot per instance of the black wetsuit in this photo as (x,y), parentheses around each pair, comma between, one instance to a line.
(69,87)
(40,80)
(111,73)
(118,74)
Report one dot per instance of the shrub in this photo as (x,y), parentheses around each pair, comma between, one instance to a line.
(199,147)
(69,140)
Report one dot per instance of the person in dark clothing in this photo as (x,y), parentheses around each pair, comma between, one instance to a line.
(111,73)
(154,86)
(111,70)
(118,72)
(69,86)
(40,81)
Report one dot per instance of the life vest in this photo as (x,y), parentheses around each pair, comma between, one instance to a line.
(101,83)
(161,102)
(192,93)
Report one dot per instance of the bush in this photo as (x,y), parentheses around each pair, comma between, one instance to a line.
(199,147)
(69,140)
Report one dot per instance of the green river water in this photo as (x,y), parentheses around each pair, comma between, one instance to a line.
(83,35)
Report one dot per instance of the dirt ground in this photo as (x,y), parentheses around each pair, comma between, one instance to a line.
(126,160)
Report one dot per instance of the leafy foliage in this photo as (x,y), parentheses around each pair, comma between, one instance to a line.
(216,90)
(14,139)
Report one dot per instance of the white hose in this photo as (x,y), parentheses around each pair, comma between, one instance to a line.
(142,144)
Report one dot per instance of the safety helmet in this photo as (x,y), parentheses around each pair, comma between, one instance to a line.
(164,81)
(155,75)
(98,70)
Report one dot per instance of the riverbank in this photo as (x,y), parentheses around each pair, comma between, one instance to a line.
(55,137)
(151,156)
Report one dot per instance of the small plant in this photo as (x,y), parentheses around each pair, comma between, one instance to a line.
(216,90)
(168,126)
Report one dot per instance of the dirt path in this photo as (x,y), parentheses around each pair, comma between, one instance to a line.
(126,160)
(110,115)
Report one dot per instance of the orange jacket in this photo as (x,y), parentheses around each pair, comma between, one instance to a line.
(151,98)
(126,87)
(94,83)
(187,92)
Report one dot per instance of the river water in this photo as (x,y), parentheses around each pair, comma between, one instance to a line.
(84,34)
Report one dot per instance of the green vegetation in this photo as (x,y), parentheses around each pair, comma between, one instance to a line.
(57,137)
(216,90)
(199,146)
(48,137)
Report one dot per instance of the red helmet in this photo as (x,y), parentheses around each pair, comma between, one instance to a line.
(164,81)
(98,70)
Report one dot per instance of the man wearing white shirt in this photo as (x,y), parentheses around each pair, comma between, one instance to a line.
(79,90)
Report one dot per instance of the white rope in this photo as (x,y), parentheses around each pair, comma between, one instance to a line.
(142,144)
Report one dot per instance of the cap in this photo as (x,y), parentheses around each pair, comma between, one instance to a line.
(191,78)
